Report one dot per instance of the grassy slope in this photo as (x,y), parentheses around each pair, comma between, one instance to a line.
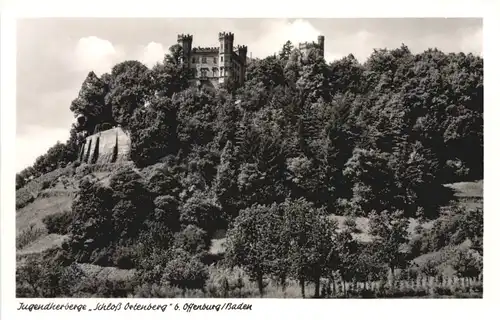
(55,199)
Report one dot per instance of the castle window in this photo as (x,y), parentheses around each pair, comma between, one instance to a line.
(204,73)
(204,60)
(193,60)
(221,59)
(215,60)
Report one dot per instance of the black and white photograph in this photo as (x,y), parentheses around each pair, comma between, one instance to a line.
(275,158)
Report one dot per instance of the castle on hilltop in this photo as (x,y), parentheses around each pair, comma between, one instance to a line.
(214,65)
(210,66)
(306,47)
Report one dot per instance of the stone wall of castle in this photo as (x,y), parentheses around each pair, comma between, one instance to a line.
(306,47)
(214,65)
(107,146)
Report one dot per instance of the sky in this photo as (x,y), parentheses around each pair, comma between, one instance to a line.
(54,55)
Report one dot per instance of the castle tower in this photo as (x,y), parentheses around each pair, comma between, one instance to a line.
(225,55)
(242,53)
(321,45)
(186,42)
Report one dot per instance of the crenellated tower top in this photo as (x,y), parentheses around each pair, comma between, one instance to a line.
(226,36)
(184,37)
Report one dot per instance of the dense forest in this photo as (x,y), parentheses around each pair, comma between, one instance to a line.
(272,161)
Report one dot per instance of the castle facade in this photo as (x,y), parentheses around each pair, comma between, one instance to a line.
(306,47)
(215,65)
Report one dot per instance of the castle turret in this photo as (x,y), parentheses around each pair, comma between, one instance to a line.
(321,45)
(186,42)
(242,53)
(225,55)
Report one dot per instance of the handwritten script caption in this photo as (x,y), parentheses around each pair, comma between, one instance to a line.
(185,307)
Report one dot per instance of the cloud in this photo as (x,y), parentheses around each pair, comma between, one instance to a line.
(152,53)
(279,32)
(99,55)
(36,141)
(360,44)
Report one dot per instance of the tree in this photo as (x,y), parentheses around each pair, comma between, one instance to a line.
(346,75)
(347,256)
(92,228)
(185,271)
(251,241)
(170,76)
(268,71)
(46,276)
(262,156)
(195,117)
(467,263)
(55,157)
(228,116)
(314,78)
(286,51)
(390,232)
(166,213)
(225,184)
(153,132)
(192,240)
(133,204)
(374,182)
(20,181)
(91,103)
(368,265)
(130,88)
(201,211)
(312,238)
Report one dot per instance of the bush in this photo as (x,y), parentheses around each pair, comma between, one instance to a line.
(201,211)
(98,287)
(151,270)
(58,223)
(430,267)
(47,276)
(186,272)
(350,223)
(45,184)
(225,282)
(23,198)
(28,235)
(83,170)
(466,263)
(457,224)
(126,257)
(192,240)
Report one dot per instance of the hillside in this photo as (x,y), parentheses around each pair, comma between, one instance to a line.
(56,198)
(331,180)
(53,200)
